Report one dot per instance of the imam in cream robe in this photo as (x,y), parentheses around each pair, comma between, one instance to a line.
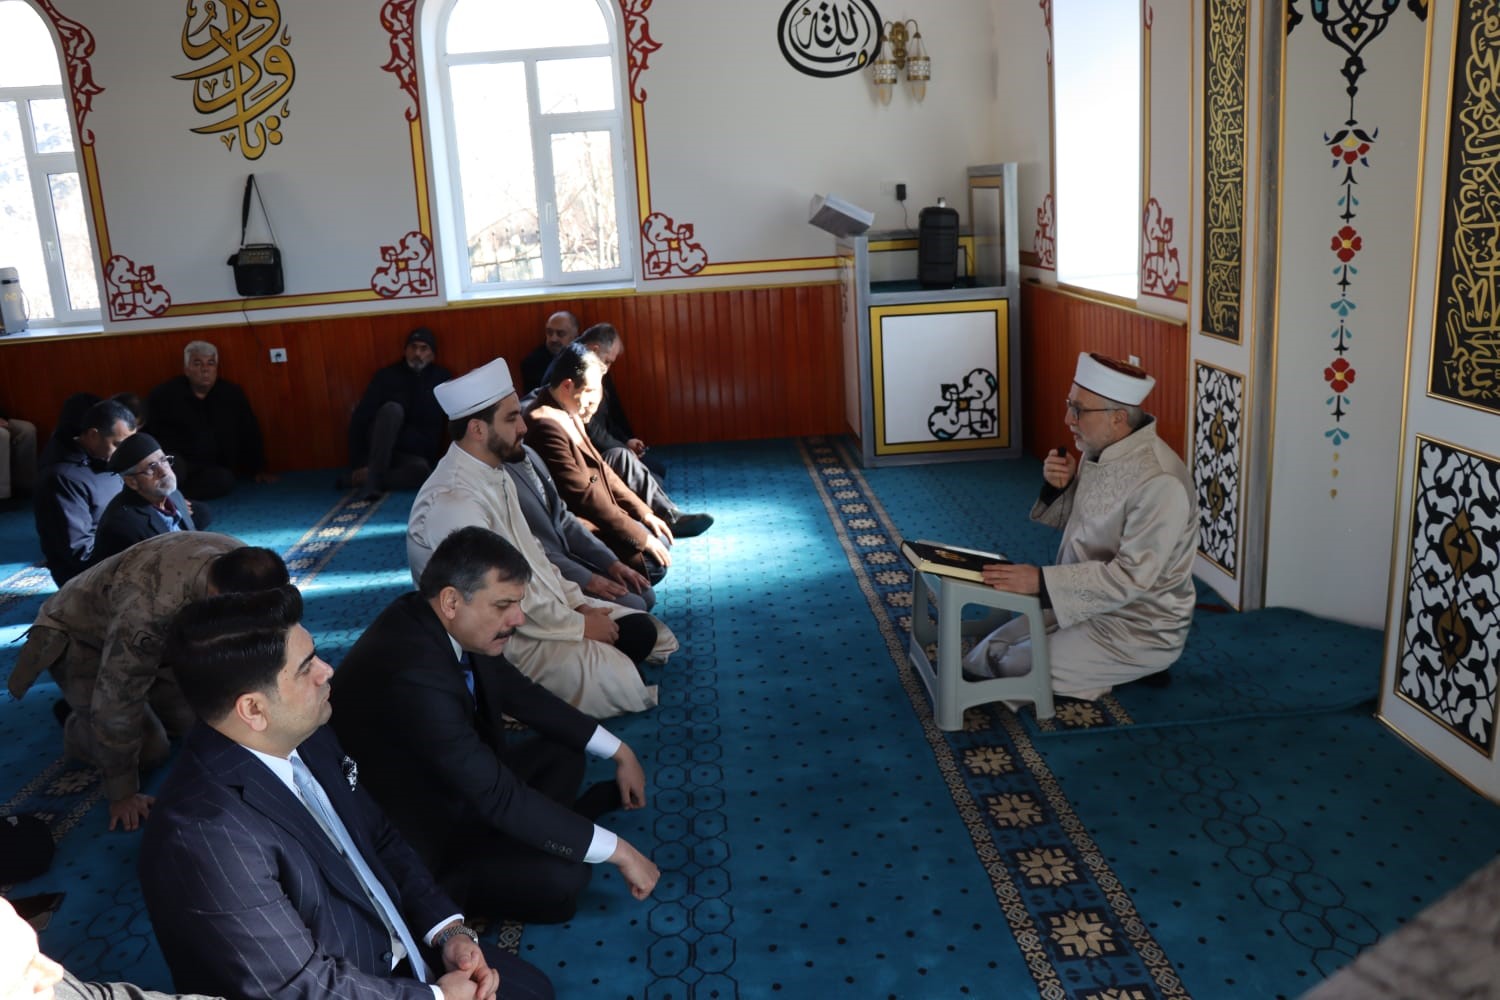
(1122,590)
(594,677)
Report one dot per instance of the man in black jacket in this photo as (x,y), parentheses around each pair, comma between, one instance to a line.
(77,486)
(148,506)
(420,702)
(397,432)
(207,423)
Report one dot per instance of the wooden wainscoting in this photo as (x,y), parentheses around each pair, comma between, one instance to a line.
(1056,325)
(699,366)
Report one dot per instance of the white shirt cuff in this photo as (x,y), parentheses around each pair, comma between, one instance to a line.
(427,938)
(603,743)
(602,846)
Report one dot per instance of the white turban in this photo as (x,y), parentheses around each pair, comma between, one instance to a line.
(1114,380)
(472,392)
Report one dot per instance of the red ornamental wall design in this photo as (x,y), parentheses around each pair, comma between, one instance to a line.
(638,44)
(398,18)
(132,290)
(1044,239)
(1161,270)
(77,46)
(668,248)
(408,270)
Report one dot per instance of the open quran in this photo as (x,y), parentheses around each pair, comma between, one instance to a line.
(948,560)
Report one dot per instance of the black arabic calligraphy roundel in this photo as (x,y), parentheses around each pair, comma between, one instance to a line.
(829,37)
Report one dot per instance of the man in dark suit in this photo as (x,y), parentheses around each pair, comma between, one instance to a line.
(208,424)
(148,506)
(421,699)
(266,868)
(568,542)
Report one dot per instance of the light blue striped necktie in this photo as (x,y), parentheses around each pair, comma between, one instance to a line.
(328,818)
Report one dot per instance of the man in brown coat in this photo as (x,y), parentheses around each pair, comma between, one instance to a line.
(101,636)
(590,488)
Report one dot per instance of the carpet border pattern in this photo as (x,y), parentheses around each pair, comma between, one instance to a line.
(1071,949)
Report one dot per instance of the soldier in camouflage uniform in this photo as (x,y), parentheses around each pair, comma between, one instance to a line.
(101,636)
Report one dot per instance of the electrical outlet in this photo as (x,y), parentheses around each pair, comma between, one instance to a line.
(278,355)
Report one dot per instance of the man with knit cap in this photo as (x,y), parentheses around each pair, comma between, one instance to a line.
(1121,594)
(582,649)
(150,503)
(398,429)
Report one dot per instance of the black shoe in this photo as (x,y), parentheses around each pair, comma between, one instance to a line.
(599,798)
(690,525)
(61,710)
(1160,679)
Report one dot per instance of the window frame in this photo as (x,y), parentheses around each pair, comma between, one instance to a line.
(40,167)
(544,126)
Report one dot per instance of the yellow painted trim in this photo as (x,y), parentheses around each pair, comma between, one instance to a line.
(273,302)
(550,296)
(756,266)
(642,170)
(1388,663)
(419,175)
(96,206)
(1001,309)
(893,245)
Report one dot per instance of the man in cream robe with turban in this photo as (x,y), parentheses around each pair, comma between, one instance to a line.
(1121,594)
(581,649)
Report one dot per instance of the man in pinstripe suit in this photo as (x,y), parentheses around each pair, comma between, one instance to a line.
(266,869)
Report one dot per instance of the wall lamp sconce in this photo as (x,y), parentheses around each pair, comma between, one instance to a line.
(902,50)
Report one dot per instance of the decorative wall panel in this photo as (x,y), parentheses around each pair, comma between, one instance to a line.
(1218,413)
(1465,364)
(1448,651)
(1226,40)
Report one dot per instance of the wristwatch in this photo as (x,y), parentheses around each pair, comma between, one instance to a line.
(449,933)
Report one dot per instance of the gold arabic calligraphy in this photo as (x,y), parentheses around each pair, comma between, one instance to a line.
(244,71)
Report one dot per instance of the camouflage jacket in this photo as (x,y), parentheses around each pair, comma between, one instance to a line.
(115,617)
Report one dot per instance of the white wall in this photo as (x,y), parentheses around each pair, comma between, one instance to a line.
(1331,497)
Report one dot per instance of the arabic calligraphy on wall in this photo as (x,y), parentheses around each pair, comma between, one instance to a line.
(1466,336)
(1226,38)
(829,38)
(243,72)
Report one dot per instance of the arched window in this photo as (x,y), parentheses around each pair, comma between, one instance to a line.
(44,230)
(532,104)
(1096,76)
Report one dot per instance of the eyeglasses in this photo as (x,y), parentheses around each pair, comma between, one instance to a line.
(1078,411)
(156,469)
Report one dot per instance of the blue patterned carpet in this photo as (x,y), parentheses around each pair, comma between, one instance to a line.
(819,837)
